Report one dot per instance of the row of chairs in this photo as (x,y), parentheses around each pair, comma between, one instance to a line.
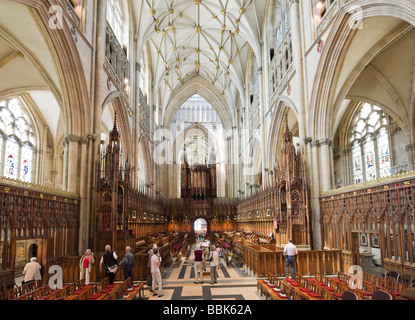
(370,288)
(18,291)
(120,292)
(327,288)
(306,288)
(371,282)
(406,279)
(47,293)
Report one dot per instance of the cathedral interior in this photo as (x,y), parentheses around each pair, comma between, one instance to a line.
(242,124)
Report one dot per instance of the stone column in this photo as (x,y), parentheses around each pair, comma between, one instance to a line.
(262,120)
(83,192)
(65,165)
(297,52)
(99,94)
(315,193)
(326,170)
(72,169)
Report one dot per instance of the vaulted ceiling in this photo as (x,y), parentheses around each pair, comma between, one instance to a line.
(208,38)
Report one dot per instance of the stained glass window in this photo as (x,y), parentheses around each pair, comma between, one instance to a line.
(357,162)
(384,153)
(369,138)
(12,157)
(17,141)
(369,158)
(26,163)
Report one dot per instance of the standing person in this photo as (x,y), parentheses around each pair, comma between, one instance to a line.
(214,264)
(222,260)
(290,250)
(85,265)
(199,261)
(109,262)
(31,271)
(150,254)
(128,263)
(155,273)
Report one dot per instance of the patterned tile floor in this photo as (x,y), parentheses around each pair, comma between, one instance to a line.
(178,284)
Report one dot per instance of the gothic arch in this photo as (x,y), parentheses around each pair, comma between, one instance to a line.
(123,123)
(181,138)
(324,99)
(277,122)
(74,93)
(201,86)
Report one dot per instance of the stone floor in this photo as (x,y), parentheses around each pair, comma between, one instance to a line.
(178,284)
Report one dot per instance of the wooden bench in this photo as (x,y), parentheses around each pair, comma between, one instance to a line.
(268,291)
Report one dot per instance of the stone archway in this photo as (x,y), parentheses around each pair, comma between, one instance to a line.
(201,86)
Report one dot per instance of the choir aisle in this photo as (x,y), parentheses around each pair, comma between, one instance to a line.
(178,283)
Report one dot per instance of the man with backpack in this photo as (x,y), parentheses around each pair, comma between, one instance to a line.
(109,262)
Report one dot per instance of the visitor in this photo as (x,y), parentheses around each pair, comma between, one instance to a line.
(199,261)
(222,260)
(109,262)
(31,271)
(155,273)
(85,266)
(290,250)
(128,263)
(214,264)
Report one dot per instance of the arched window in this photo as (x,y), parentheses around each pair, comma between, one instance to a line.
(282,21)
(370,145)
(17,141)
(115,17)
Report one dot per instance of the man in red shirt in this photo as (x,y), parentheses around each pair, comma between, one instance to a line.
(199,262)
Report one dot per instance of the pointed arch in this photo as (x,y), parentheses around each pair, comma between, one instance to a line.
(201,86)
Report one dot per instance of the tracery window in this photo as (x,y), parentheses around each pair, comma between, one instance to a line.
(17,141)
(282,21)
(115,17)
(370,145)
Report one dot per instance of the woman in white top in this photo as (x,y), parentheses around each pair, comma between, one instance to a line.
(214,264)
(31,271)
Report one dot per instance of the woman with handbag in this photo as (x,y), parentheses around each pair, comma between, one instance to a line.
(85,266)
(155,273)
(109,262)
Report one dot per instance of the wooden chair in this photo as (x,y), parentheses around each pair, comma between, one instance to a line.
(349,295)
(382,284)
(396,289)
(368,277)
(271,277)
(310,285)
(328,295)
(381,295)
(105,282)
(298,296)
(408,294)
(86,294)
(392,275)
(381,273)
(334,284)
(303,282)
(320,277)
(406,279)
(286,289)
(8,285)
(319,290)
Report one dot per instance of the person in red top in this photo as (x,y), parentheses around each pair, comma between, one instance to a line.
(85,265)
(199,262)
